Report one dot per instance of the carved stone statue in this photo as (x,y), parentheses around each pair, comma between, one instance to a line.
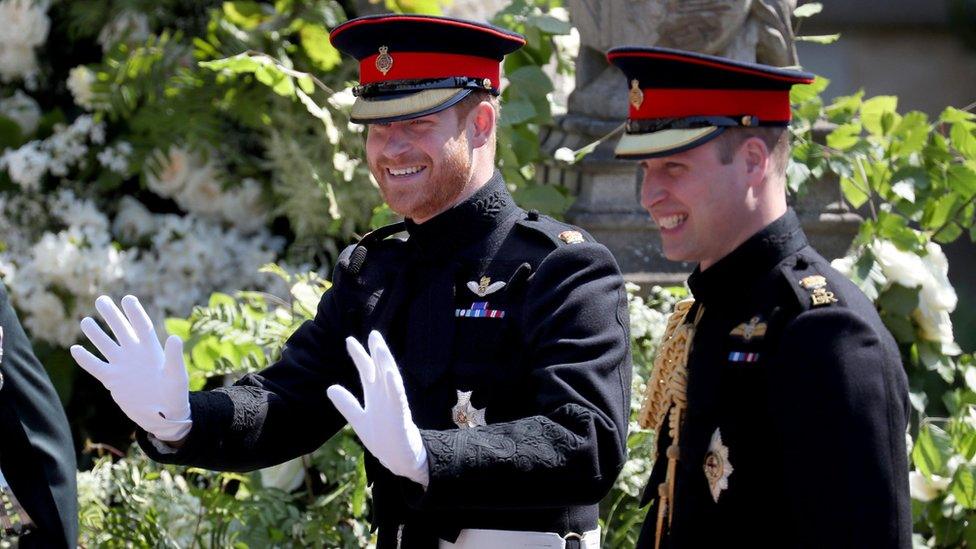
(748,30)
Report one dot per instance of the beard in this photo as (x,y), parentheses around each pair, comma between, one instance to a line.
(446,181)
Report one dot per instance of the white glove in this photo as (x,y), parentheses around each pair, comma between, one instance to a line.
(385,425)
(147,382)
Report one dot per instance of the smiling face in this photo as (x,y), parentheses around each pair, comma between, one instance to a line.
(704,208)
(423,165)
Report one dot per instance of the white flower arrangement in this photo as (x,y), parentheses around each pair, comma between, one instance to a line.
(80,80)
(66,149)
(930,274)
(25,26)
(22,109)
(128,27)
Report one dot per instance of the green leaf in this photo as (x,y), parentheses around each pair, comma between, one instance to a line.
(240,63)
(801,93)
(948,233)
(218,298)
(901,327)
(179,327)
(516,111)
(530,81)
(874,109)
(932,450)
(819,38)
(10,134)
(964,486)
(306,84)
(937,211)
(423,7)
(807,10)
(899,300)
(245,14)
(911,134)
(844,136)
(545,198)
(315,42)
(549,24)
(853,193)
(963,139)
(952,115)
(845,106)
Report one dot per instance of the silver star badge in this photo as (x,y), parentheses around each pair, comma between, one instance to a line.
(465,415)
(718,468)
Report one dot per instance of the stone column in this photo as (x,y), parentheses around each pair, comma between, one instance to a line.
(608,190)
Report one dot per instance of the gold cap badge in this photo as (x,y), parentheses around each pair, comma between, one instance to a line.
(571,237)
(636,95)
(384,61)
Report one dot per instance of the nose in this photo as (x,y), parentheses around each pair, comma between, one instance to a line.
(652,192)
(396,144)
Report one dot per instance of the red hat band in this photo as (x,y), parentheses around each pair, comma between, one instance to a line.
(391,66)
(767,105)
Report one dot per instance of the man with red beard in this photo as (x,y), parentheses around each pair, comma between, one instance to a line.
(778,395)
(502,419)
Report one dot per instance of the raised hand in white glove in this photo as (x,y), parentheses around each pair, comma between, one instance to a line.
(147,382)
(384,425)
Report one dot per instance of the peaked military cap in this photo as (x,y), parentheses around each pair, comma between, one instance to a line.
(415,65)
(680,100)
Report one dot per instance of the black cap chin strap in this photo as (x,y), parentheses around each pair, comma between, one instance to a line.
(408,86)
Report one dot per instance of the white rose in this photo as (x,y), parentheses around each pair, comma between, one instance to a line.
(244,208)
(22,109)
(27,165)
(345,165)
(202,193)
(937,290)
(133,221)
(25,22)
(16,62)
(923,489)
(844,265)
(287,476)
(168,172)
(80,80)
(569,44)
(564,154)
(902,267)
(343,99)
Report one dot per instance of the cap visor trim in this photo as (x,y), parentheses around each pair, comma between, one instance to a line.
(664,142)
(414,105)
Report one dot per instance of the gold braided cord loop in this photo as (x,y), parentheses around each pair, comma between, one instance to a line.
(674,347)
(666,398)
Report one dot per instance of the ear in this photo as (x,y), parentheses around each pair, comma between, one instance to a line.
(755,159)
(481,124)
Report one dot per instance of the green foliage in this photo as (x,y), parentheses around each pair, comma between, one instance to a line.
(526,105)
(915,181)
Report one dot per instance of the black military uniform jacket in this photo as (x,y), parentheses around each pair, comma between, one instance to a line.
(546,357)
(37,455)
(803,413)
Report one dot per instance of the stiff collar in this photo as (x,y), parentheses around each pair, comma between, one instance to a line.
(731,277)
(470,220)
